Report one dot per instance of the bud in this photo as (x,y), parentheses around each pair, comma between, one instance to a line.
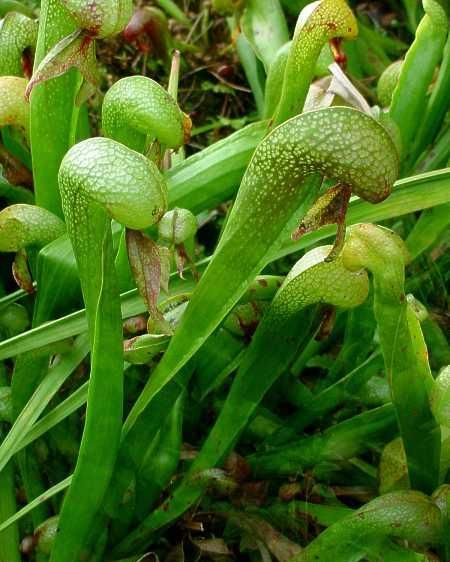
(177,226)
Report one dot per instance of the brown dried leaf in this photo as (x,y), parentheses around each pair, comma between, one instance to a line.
(212,547)
(176,554)
(278,544)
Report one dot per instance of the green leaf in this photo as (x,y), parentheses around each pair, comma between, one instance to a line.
(40,399)
(407,197)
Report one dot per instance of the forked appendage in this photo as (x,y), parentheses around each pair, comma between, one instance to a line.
(21,271)
(95,19)
(330,208)
(338,53)
(75,50)
(327,321)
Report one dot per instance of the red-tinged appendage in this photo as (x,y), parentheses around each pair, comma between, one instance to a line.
(336,48)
